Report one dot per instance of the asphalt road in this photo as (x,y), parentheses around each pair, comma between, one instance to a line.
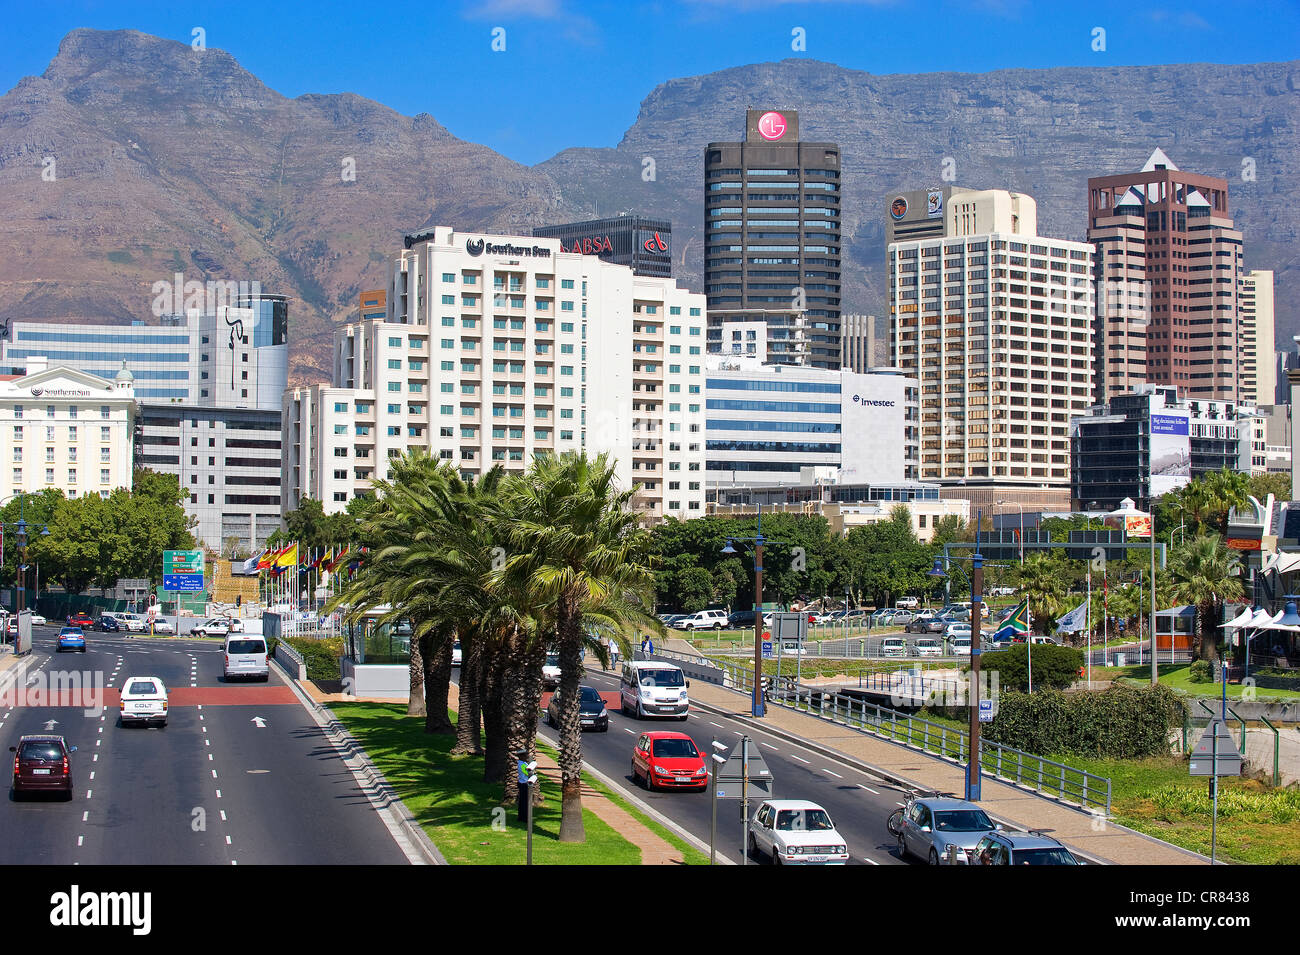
(858,804)
(211,787)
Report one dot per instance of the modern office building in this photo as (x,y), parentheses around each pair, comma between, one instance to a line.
(765,424)
(743,340)
(1150,442)
(953,211)
(208,388)
(1258,368)
(642,244)
(1168,274)
(997,328)
(66,429)
(772,239)
(495,348)
(858,342)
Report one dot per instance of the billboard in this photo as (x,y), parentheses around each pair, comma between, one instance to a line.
(1171,451)
(183,570)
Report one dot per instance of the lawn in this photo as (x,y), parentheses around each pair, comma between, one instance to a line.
(1257,825)
(448,797)
(1178,676)
(829,667)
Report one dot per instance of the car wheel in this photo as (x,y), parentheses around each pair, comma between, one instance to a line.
(717,626)
(902,846)
(754,852)
(934,856)
(776,857)
(67,797)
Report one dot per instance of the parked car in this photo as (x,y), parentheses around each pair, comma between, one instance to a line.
(42,764)
(740,620)
(960,646)
(927,647)
(908,603)
(667,760)
(930,826)
(70,638)
(893,647)
(80,619)
(1020,848)
(903,617)
(796,832)
(958,631)
(926,625)
(882,617)
(592,713)
(144,700)
(704,620)
(107,624)
(551,671)
(163,625)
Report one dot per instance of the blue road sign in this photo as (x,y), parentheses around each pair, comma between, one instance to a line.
(768,654)
(986,711)
(183,582)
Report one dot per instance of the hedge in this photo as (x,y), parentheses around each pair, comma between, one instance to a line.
(1054,667)
(321,656)
(1123,722)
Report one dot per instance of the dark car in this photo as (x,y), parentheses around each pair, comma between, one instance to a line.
(926,625)
(592,714)
(41,765)
(80,619)
(108,625)
(741,620)
(1021,848)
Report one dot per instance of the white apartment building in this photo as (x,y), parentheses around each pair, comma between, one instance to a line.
(1257,367)
(493,348)
(997,327)
(65,429)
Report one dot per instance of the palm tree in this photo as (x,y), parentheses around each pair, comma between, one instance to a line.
(1042,583)
(1206,574)
(1226,489)
(581,551)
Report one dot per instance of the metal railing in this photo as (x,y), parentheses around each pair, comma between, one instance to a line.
(1036,773)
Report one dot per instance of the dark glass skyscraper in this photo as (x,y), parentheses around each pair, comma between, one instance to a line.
(644,244)
(772,239)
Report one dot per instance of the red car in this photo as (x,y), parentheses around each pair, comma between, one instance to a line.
(81,619)
(41,765)
(667,760)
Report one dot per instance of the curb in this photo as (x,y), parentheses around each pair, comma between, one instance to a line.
(409,835)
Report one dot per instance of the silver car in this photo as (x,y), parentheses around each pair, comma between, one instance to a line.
(930,826)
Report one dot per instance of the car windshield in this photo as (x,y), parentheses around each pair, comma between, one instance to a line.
(679,748)
(962,820)
(1045,856)
(41,751)
(143,687)
(662,678)
(552,660)
(247,646)
(808,820)
(589,695)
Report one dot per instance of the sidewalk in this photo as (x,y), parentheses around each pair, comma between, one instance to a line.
(1078,829)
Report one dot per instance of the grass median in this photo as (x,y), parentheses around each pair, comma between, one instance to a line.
(1179,675)
(448,797)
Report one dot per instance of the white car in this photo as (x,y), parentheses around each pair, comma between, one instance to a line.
(796,832)
(218,627)
(144,700)
(704,620)
(927,648)
(132,622)
(958,631)
(550,671)
(38,620)
(162,625)
(961,646)
(455,654)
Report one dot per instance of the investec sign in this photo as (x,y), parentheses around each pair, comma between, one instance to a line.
(479,246)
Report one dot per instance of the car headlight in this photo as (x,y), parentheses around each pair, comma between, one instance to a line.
(701,771)
(660,770)
(603,712)
(646,694)
(841,850)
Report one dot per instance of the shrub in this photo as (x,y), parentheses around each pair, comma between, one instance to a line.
(1054,667)
(1201,672)
(321,656)
(1120,723)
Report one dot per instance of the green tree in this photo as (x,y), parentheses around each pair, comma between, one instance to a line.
(1260,486)
(1206,574)
(1043,584)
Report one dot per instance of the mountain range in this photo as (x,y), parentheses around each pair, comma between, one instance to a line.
(134,157)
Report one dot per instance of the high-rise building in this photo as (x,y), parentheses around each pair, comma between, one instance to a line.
(997,327)
(952,211)
(208,386)
(1258,368)
(858,342)
(495,348)
(642,244)
(1169,269)
(772,239)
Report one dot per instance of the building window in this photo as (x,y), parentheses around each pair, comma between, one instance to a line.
(104,434)
(104,455)
(103,475)
(49,475)
(103,411)
(49,454)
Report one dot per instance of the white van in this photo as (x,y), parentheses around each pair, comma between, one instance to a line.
(653,689)
(704,620)
(246,656)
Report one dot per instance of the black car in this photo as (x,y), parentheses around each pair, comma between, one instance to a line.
(41,764)
(741,620)
(592,714)
(107,625)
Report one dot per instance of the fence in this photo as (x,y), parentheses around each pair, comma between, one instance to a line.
(1036,773)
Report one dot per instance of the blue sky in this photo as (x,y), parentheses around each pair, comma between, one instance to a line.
(574,73)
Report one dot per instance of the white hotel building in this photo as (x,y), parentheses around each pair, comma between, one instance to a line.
(490,349)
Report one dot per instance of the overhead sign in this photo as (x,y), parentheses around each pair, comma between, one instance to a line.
(1215,741)
(183,570)
(745,763)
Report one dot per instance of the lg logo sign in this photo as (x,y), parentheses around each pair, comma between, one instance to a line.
(771,126)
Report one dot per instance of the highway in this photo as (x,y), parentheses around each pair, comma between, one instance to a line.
(211,787)
(858,803)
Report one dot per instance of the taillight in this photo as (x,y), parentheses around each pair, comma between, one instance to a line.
(65,765)
(15,765)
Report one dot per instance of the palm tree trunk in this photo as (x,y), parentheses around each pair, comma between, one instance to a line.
(1209,637)
(415,701)
(570,647)
(469,713)
(512,697)
(496,761)
(437,678)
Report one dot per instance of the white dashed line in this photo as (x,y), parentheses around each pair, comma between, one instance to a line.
(769,746)
(868,789)
(96,758)
(223,814)
(214,774)
(92,774)
(227,840)
(209,757)
(218,792)
(80,839)
(207,742)
(835,774)
(626,730)
(89,793)
(85,815)
(872,861)
(718,725)
(800,758)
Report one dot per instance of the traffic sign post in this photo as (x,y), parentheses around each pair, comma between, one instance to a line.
(744,774)
(1215,754)
(715,761)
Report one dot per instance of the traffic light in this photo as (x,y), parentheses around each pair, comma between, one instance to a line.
(239,598)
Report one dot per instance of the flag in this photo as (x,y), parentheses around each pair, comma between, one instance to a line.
(321,558)
(1075,620)
(267,559)
(1016,624)
(288,557)
(342,555)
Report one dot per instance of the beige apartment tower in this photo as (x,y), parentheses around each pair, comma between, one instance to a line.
(1258,367)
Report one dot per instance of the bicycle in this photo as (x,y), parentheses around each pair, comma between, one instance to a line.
(895,821)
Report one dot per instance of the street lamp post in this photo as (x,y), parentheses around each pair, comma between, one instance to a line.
(21,532)
(759,707)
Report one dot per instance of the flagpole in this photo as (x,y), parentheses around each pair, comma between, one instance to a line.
(1105,620)
(1090,627)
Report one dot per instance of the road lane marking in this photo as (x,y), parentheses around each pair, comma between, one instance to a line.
(626,730)
(89,792)
(214,774)
(718,725)
(900,804)
(832,772)
(227,840)
(79,839)
(872,861)
(223,814)
(769,746)
(92,774)
(85,815)
(218,793)
(800,758)
(868,789)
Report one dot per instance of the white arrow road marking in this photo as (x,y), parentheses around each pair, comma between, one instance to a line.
(50,724)
(261,723)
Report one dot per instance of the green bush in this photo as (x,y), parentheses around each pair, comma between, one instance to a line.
(1122,722)
(321,656)
(1200,672)
(1054,667)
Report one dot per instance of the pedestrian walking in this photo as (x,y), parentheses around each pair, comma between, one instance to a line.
(613,654)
